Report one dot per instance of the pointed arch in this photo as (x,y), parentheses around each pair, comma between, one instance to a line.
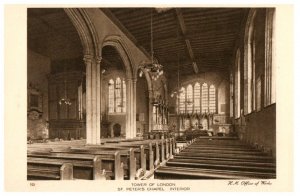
(124,52)
(237,84)
(86,31)
(249,63)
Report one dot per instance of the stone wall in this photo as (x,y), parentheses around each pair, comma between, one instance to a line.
(37,71)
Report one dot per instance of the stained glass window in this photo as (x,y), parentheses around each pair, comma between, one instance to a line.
(204,99)
(111,96)
(118,95)
(212,99)
(182,100)
(124,96)
(189,99)
(197,98)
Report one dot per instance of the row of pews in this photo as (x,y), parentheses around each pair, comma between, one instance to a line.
(113,160)
(217,158)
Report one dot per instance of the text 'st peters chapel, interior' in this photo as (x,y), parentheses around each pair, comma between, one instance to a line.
(151,93)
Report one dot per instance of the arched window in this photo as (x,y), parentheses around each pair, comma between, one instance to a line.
(118,95)
(269,86)
(154,111)
(124,96)
(212,99)
(249,67)
(189,98)
(197,98)
(182,100)
(204,99)
(231,95)
(237,84)
(111,96)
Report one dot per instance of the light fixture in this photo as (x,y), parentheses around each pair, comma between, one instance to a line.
(153,68)
(65,99)
(178,91)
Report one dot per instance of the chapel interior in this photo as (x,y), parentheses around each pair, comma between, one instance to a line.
(151,93)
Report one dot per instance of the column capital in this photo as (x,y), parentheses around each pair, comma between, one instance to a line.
(98,59)
(90,58)
(87,58)
(134,80)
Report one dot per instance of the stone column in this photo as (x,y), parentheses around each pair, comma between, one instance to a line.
(93,102)
(134,80)
(88,62)
(98,100)
(128,108)
(150,110)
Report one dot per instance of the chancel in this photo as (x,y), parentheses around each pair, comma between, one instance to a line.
(151,93)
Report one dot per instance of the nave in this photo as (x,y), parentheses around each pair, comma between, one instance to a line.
(151,93)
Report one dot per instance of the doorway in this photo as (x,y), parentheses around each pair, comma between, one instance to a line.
(117,130)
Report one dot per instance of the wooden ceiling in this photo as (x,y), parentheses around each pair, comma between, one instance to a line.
(197,39)
(51,33)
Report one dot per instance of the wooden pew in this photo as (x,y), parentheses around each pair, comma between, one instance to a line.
(55,144)
(211,147)
(47,149)
(237,152)
(148,153)
(88,166)
(162,149)
(49,170)
(221,161)
(216,158)
(167,172)
(155,150)
(139,154)
(223,165)
(127,158)
(230,156)
(171,147)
